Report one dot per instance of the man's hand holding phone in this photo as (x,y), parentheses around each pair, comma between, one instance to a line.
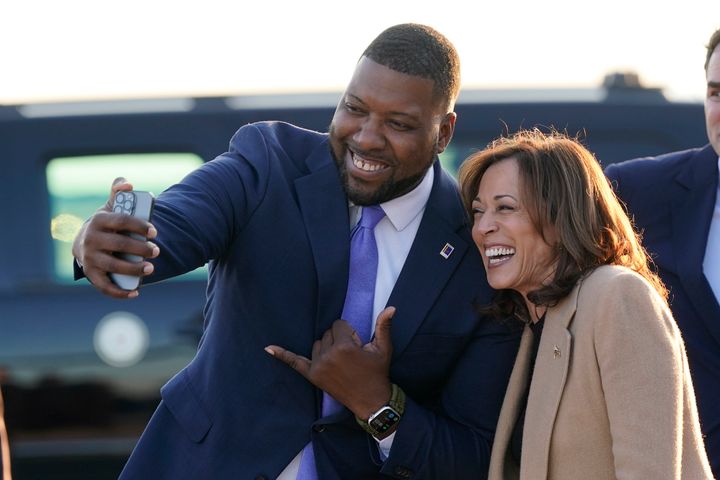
(112,244)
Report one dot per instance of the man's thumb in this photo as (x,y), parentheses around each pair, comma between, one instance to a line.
(382,329)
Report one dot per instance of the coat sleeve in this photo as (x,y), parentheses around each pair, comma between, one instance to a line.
(640,357)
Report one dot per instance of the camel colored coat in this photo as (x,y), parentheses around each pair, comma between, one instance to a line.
(611,395)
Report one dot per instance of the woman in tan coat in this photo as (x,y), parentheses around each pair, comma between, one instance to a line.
(600,387)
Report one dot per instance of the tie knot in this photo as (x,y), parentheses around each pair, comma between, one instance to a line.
(371,215)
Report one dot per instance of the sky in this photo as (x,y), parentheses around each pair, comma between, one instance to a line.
(67,50)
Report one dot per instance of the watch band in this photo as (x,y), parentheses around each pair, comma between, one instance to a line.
(392,410)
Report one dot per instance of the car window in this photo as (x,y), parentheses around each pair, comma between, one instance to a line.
(77,186)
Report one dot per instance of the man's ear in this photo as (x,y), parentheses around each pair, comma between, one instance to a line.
(447,128)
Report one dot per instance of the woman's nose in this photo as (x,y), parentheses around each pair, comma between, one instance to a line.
(485,224)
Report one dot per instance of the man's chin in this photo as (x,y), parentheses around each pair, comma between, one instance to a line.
(364,197)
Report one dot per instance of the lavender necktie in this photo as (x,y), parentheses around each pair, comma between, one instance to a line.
(358,309)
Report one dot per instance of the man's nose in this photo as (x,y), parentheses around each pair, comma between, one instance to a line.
(369,136)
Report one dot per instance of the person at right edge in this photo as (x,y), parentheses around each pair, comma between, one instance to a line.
(674,201)
(601,387)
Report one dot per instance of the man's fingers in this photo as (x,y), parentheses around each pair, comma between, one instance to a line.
(293,360)
(118,185)
(342,332)
(103,222)
(102,282)
(96,245)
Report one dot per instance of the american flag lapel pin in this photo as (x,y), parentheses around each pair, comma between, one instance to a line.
(446,251)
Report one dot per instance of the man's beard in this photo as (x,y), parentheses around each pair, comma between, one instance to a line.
(388,190)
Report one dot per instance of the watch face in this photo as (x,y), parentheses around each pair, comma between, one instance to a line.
(384,420)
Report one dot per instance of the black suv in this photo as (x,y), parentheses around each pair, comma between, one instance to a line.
(80,372)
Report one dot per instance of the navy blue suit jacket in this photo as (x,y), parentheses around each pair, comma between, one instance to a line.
(272,218)
(671,199)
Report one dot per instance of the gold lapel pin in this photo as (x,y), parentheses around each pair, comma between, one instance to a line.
(556,351)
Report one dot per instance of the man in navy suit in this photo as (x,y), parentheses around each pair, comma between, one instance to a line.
(273,216)
(675,203)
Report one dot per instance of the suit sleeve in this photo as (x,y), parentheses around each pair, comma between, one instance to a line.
(454,439)
(612,172)
(199,217)
(640,356)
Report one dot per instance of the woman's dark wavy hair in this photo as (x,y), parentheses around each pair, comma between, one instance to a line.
(563,186)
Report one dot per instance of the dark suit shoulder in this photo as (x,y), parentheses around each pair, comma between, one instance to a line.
(445,198)
(648,170)
(284,139)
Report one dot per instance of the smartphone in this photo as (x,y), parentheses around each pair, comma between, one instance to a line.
(138,204)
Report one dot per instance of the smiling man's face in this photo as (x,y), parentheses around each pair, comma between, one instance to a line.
(386,131)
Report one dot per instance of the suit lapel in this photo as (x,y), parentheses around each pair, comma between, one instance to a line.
(324,208)
(694,194)
(548,383)
(426,271)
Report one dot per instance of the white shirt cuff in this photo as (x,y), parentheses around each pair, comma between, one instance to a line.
(385,445)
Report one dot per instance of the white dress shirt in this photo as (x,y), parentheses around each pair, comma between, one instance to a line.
(711,263)
(394,235)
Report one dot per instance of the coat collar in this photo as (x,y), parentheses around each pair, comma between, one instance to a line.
(426,269)
(693,204)
(553,353)
(324,208)
(552,366)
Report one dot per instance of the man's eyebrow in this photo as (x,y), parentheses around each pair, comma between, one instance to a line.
(713,84)
(412,116)
(356,98)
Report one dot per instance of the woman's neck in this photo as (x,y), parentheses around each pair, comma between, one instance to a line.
(536,312)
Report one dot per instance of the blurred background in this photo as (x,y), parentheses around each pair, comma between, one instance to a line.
(85,49)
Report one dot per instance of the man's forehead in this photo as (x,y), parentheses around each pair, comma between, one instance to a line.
(376,85)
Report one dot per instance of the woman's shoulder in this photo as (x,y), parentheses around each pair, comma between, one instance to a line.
(618,292)
(614,278)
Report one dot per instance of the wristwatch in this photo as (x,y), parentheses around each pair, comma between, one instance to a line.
(387,416)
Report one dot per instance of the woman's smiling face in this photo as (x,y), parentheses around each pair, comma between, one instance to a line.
(515,255)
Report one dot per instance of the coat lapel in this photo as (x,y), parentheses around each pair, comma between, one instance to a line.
(501,465)
(426,271)
(328,227)
(694,202)
(548,383)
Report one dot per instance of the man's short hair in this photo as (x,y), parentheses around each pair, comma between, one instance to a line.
(712,44)
(420,51)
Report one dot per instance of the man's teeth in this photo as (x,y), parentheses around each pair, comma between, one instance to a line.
(366,166)
(499,251)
